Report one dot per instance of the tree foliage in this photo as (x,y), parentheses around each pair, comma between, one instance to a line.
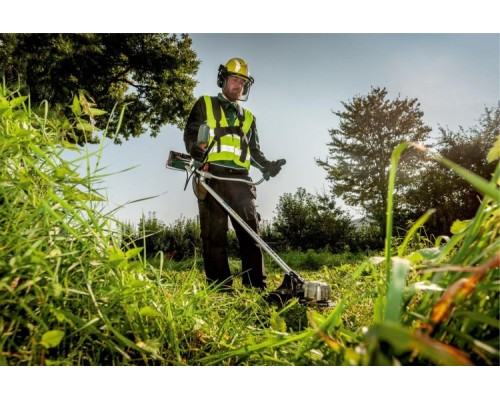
(441,189)
(360,149)
(305,221)
(179,240)
(150,233)
(152,74)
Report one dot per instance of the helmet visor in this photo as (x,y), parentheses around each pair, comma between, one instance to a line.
(237,87)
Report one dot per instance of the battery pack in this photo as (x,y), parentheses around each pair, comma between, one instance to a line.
(178,161)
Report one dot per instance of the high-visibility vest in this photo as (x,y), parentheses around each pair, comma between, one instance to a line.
(231,141)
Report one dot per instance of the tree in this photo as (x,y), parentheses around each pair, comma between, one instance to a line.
(441,189)
(308,222)
(370,128)
(182,239)
(152,74)
(150,234)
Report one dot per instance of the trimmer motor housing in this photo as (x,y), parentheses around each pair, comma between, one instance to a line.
(310,293)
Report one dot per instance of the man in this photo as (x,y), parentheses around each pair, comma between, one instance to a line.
(235,147)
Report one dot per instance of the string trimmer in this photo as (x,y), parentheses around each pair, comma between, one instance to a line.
(293,285)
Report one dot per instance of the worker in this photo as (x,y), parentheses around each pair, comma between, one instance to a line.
(235,148)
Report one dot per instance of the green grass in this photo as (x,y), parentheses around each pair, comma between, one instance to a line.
(72,294)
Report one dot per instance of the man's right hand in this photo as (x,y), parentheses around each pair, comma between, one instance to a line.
(197,152)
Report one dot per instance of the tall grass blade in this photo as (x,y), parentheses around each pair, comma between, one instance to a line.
(413,230)
(397,285)
(396,154)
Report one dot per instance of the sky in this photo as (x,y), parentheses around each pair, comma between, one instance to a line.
(299,79)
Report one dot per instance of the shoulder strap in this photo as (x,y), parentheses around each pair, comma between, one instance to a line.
(216,110)
(240,114)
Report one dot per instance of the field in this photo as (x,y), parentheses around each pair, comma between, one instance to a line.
(73,293)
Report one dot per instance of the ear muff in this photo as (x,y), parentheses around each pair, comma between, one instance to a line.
(221,75)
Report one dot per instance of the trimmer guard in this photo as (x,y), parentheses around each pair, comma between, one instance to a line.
(309,293)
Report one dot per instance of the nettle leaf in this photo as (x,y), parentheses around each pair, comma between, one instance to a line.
(69,145)
(96,111)
(494,153)
(59,315)
(133,252)
(414,257)
(458,226)
(85,126)
(117,258)
(18,100)
(51,339)
(84,196)
(149,311)
(277,322)
(75,107)
(62,172)
(56,289)
(5,112)
(426,254)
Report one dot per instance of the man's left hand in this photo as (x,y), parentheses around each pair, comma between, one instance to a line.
(273,168)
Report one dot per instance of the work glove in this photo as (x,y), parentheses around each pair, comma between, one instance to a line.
(272,168)
(197,152)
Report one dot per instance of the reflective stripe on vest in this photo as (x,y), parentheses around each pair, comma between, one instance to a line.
(229,148)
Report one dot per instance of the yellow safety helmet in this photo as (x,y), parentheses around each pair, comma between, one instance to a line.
(237,67)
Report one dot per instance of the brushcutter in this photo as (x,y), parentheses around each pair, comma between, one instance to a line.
(293,285)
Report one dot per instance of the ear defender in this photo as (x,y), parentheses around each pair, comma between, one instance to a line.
(221,75)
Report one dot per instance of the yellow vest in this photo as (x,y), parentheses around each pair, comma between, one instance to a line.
(229,146)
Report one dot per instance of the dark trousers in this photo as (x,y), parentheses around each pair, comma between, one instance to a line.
(214,227)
